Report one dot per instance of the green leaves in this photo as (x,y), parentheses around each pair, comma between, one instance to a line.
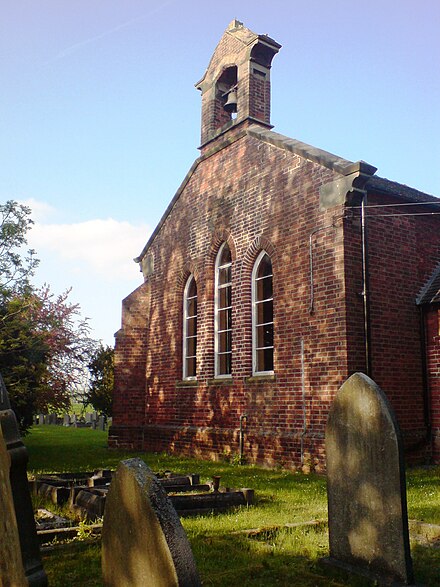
(101,380)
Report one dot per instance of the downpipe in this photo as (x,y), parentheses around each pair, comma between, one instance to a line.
(303,396)
(242,418)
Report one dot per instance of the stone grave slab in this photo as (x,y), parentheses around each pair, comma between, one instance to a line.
(143,541)
(24,514)
(368,521)
(11,566)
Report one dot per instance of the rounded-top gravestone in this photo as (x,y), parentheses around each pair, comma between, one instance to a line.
(143,541)
(367,512)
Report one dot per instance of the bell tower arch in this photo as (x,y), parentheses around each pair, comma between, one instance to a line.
(236,84)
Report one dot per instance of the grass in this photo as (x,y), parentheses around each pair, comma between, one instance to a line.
(274,557)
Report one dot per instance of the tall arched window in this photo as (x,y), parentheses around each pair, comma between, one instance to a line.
(262,315)
(223,312)
(190,329)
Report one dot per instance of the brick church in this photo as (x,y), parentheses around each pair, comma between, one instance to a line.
(277,270)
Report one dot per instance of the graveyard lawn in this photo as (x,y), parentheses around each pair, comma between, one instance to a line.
(225,555)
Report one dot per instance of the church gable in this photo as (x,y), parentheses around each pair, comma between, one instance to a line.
(263,289)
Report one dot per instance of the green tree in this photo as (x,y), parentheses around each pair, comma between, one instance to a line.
(101,369)
(45,344)
(16,265)
(44,351)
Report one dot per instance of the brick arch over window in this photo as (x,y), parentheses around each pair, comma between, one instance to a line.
(183,275)
(261,243)
(219,237)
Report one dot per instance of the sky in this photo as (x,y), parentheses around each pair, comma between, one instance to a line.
(100,119)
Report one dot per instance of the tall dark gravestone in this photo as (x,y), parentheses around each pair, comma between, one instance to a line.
(367,511)
(143,541)
(30,549)
(11,567)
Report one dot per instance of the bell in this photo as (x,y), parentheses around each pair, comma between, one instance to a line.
(231,103)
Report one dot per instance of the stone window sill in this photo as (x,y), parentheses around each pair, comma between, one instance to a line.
(261,378)
(221,381)
(187,383)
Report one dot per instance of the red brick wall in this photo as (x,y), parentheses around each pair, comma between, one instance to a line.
(130,359)
(402,253)
(433,364)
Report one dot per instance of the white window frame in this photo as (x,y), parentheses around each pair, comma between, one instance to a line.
(217,332)
(185,329)
(254,315)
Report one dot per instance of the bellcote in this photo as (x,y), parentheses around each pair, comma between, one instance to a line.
(236,84)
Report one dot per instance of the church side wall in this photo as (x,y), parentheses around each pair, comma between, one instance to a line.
(402,253)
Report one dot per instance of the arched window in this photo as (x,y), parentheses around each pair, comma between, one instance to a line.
(262,315)
(190,329)
(223,312)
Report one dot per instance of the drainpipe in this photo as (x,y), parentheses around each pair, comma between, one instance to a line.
(366,287)
(303,394)
(242,417)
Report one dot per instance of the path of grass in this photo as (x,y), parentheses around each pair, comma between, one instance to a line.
(288,557)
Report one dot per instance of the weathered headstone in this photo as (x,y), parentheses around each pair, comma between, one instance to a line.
(11,567)
(66,420)
(143,541)
(101,422)
(40,419)
(368,521)
(30,550)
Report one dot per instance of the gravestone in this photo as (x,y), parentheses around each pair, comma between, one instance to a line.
(11,567)
(143,541)
(30,549)
(368,521)
(40,419)
(66,420)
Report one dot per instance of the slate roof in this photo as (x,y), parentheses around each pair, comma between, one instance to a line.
(401,190)
(430,293)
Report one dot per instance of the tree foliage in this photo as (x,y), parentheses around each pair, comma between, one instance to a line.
(45,344)
(101,369)
(16,265)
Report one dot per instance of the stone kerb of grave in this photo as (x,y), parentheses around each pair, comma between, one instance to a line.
(368,522)
(11,567)
(143,541)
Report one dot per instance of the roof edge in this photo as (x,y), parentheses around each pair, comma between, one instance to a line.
(170,206)
(430,292)
(338,164)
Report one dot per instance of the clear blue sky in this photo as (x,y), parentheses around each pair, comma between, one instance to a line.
(100,120)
